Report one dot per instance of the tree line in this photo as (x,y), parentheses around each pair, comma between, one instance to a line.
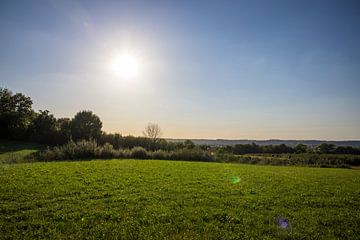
(19,121)
(324,148)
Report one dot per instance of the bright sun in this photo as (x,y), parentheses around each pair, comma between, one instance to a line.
(126,66)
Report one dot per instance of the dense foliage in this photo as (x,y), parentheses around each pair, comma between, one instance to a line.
(324,148)
(85,125)
(20,122)
(90,149)
(301,159)
(16,114)
(85,150)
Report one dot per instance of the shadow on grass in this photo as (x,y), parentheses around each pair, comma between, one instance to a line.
(15,152)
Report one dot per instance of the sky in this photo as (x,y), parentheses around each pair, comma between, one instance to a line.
(204,69)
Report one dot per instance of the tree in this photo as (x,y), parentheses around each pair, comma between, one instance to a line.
(347,150)
(301,148)
(16,114)
(86,125)
(63,127)
(153,132)
(189,144)
(43,128)
(325,148)
(115,139)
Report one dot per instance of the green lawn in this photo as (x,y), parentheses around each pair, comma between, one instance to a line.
(15,151)
(149,199)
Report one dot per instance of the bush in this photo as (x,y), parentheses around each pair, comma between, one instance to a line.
(139,152)
(106,151)
(194,154)
(89,149)
(70,151)
(160,154)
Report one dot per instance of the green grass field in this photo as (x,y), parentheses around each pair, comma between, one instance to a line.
(15,152)
(148,199)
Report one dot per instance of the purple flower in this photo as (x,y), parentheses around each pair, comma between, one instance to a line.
(283,222)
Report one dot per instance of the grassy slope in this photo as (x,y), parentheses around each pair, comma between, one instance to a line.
(133,199)
(14,151)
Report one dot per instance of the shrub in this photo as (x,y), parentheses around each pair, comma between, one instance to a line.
(70,151)
(106,151)
(85,149)
(194,154)
(139,152)
(160,154)
(89,149)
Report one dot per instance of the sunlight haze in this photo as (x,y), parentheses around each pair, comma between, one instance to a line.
(199,69)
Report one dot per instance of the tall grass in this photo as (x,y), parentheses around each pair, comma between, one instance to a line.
(90,150)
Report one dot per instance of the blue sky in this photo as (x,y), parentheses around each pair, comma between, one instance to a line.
(209,69)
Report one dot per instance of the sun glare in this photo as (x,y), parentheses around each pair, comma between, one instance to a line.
(126,66)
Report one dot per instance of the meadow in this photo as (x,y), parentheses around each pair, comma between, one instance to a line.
(151,199)
(15,151)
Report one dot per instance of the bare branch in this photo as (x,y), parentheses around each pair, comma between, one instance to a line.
(152,131)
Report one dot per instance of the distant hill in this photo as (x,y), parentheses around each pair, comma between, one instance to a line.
(224,142)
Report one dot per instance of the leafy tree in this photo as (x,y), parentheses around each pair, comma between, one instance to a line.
(115,139)
(43,128)
(131,141)
(325,148)
(63,128)
(282,148)
(189,144)
(16,114)
(247,148)
(86,125)
(347,150)
(301,148)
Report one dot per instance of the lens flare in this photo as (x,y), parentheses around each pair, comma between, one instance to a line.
(283,223)
(235,179)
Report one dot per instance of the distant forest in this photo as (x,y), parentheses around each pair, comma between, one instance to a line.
(310,143)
